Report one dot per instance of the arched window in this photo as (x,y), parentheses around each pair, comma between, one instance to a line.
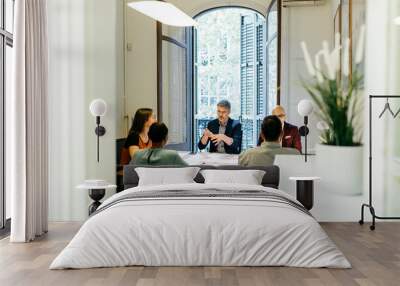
(232,54)
(230,63)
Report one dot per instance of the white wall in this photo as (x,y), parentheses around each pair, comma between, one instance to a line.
(85,62)
(140,66)
(311,24)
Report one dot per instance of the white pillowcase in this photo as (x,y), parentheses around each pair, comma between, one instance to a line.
(166,176)
(248,177)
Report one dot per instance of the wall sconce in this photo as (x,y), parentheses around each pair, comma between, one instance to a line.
(98,108)
(305,108)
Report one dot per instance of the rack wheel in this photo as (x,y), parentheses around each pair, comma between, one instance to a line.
(372,227)
(361,222)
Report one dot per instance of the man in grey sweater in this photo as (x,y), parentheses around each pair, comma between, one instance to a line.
(264,155)
(156,155)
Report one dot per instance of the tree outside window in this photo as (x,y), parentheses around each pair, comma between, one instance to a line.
(230,49)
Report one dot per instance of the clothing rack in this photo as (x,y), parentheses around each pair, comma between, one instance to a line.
(370,205)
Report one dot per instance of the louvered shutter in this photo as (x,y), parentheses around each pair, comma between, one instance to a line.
(252,78)
(247,68)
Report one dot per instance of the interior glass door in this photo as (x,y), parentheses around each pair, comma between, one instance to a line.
(176,86)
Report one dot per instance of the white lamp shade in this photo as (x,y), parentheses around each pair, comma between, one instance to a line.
(98,107)
(397,21)
(163,12)
(305,107)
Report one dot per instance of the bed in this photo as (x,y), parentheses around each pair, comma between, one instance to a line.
(201,224)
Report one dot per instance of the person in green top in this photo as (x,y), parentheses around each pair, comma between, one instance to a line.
(264,155)
(157,155)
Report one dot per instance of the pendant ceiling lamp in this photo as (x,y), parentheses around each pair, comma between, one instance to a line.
(163,12)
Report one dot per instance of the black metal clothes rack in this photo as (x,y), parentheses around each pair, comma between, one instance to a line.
(370,204)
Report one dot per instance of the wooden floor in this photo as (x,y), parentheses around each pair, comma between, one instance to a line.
(375,257)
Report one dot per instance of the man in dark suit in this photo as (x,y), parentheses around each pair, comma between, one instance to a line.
(291,136)
(224,133)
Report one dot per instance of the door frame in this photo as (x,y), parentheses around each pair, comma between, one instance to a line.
(188,47)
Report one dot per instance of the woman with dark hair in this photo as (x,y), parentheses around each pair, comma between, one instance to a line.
(138,134)
(157,155)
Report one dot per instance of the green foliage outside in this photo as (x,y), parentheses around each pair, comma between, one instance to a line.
(218,60)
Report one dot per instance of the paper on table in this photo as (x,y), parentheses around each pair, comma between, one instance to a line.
(206,158)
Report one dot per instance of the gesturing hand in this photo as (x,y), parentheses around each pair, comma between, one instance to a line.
(207,133)
(216,139)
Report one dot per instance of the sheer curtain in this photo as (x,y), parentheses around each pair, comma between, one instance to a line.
(28,123)
(382,78)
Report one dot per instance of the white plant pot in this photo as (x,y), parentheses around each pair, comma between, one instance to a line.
(340,168)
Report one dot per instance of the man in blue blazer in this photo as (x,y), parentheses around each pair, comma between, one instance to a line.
(224,133)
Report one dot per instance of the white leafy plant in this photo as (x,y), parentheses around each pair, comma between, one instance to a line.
(337,102)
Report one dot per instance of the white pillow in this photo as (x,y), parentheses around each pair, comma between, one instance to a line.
(248,177)
(166,176)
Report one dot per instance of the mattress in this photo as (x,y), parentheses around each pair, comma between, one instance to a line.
(201,225)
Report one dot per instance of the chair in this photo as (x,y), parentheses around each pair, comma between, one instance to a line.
(123,158)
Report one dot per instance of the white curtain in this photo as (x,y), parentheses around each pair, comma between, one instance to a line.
(382,74)
(28,123)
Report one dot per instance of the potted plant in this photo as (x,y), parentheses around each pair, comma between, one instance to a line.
(336,93)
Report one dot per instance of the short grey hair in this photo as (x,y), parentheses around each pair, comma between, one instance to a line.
(224,103)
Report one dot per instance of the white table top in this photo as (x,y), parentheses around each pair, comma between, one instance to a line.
(206,158)
(95,185)
(304,178)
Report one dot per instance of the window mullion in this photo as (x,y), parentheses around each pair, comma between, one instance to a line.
(255,68)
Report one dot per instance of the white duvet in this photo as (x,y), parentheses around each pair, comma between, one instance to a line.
(193,231)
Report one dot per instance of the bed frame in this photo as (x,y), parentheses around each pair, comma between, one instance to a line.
(270,179)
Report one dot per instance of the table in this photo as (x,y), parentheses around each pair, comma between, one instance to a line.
(305,190)
(206,158)
(97,190)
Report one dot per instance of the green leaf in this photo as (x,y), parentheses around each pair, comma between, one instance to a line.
(339,108)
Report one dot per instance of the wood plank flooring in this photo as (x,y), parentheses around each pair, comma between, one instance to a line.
(375,257)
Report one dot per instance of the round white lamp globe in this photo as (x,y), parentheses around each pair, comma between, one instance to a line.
(98,107)
(305,107)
